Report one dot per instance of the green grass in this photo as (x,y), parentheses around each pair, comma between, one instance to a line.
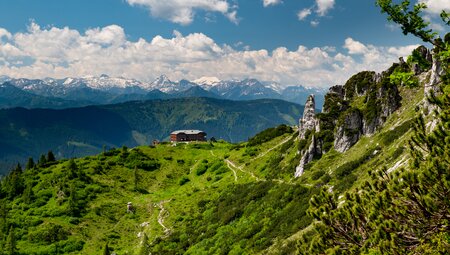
(219,198)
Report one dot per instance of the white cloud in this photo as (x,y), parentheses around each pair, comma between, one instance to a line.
(314,23)
(354,47)
(302,14)
(271,2)
(403,51)
(4,33)
(323,6)
(183,11)
(436,6)
(64,52)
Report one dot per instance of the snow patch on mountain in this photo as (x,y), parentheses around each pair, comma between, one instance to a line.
(207,81)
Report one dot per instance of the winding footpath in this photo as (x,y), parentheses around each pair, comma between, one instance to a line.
(163,213)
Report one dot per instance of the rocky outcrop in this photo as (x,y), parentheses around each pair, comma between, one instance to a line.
(349,131)
(314,150)
(435,77)
(309,121)
(425,55)
(360,107)
(432,88)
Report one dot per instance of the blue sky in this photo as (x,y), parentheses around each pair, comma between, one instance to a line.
(309,42)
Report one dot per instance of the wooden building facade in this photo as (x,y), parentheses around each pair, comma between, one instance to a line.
(188,136)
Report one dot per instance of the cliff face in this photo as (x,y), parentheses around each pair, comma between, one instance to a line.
(309,121)
(361,106)
(349,131)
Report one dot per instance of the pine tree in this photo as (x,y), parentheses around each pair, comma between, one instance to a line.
(3,224)
(42,160)
(28,194)
(30,164)
(11,243)
(72,201)
(72,169)
(50,157)
(14,183)
(135,179)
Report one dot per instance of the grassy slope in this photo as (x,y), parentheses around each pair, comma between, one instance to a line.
(78,132)
(257,208)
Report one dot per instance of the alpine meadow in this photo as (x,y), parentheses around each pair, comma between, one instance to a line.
(243,160)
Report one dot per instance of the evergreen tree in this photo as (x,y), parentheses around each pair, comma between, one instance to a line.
(73,170)
(28,194)
(135,179)
(11,243)
(30,164)
(14,183)
(3,224)
(50,157)
(42,160)
(72,201)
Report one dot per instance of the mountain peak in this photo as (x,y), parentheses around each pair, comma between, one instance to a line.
(210,81)
(162,80)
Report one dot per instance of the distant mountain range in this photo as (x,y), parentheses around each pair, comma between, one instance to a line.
(74,92)
(84,131)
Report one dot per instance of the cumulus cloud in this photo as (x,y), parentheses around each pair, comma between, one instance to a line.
(436,6)
(302,14)
(64,52)
(271,2)
(354,47)
(183,11)
(323,6)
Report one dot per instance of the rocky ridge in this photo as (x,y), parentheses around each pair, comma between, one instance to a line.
(361,106)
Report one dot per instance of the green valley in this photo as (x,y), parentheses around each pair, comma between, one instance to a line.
(78,132)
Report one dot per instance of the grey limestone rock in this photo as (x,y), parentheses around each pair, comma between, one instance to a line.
(309,120)
(314,150)
(349,131)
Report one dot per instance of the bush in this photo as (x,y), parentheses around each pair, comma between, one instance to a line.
(269,134)
(202,168)
(183,180)
(48,234)
(317,174)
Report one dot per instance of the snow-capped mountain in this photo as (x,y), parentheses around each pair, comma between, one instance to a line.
(207,81)
(104,89)
(164,84)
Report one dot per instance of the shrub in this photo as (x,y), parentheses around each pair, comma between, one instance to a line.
(202,168)
(269,134)
(48,233)
(183,180)
(317,174)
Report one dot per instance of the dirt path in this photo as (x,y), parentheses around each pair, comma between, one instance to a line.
(163,213)
(273,148)
(232,166)
(241,167)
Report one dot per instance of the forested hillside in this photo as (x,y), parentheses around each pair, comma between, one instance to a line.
(85,131)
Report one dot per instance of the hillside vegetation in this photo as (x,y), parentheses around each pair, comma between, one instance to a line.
(86,131)
(198,198)
(376,179)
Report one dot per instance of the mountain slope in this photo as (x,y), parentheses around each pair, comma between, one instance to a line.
(11,96)
(84,131)
(221,198)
